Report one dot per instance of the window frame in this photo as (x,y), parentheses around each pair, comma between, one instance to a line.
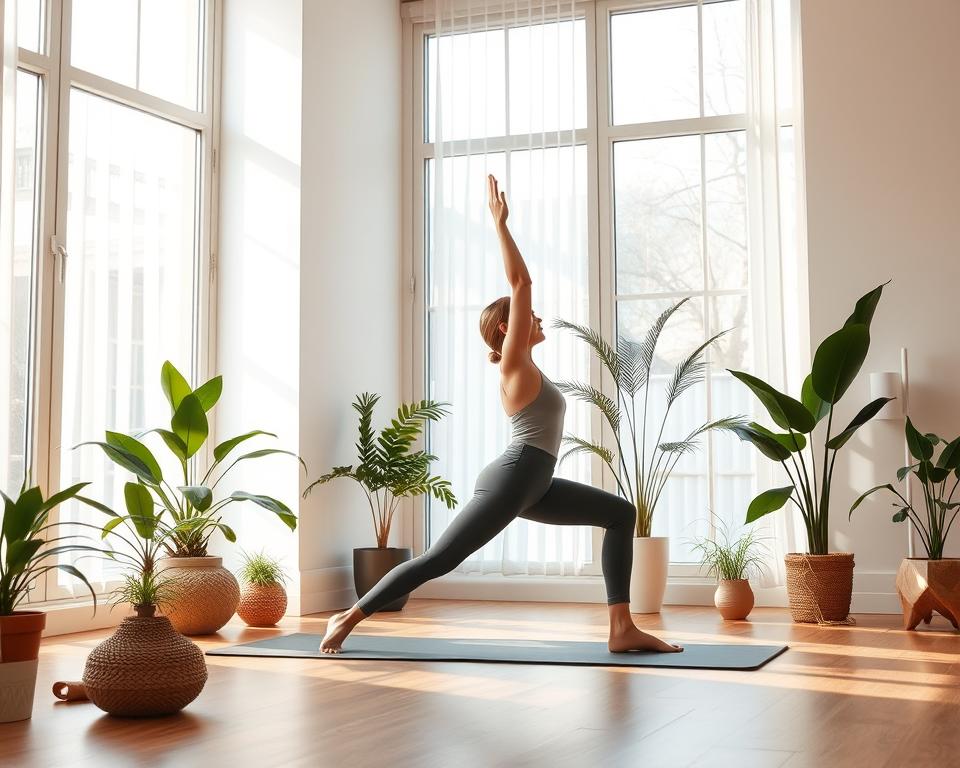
(58,78)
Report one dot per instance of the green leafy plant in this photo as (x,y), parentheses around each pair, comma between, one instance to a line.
(261,570)
(26,543)
(190,504)
(835,366)
(727,559)
(939,488)
(386,469)
(630,366)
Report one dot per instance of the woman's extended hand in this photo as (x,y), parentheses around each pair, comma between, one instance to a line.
(497,201)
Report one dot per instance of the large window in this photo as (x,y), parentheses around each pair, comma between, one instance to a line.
(655,109)
(110,274)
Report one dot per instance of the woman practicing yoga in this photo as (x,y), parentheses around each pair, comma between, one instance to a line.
(520,482)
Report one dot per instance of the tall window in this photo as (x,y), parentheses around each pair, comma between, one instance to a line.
(662,170)
(114,171)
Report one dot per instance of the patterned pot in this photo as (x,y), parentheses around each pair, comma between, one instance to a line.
(206,597)
(819,587)
(262,605)
(144,668)
(734,599)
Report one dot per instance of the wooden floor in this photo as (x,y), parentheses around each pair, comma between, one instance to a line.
(867,695)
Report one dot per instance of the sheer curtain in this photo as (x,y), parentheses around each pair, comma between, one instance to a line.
(505,93)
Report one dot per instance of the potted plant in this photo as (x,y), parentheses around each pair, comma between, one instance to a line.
(211,593)
(732,562)
(145,667)
(819,583)
(26,543)
(263,600)
(932,583)
(387,471)
(641,481)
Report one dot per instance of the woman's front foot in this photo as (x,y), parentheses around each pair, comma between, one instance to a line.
(632,638)
(338,627)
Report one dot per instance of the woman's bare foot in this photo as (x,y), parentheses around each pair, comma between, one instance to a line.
(338,627)
(634,639)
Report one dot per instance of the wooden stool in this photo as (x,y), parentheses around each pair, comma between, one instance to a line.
(926,586)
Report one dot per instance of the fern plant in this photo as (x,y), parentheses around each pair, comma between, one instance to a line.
(643,479)
(386,469)
(261,570)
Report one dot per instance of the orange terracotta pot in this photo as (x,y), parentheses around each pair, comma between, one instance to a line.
(20,635)
(734,599)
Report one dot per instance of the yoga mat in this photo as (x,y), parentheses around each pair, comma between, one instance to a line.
(386,648)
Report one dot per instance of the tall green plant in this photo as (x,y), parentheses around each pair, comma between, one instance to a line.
(836,364)
(386,469)
(190,503)
(630,366)
(939,489)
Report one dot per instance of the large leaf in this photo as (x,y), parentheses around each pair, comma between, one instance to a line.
(174,443)
(269,452)
(140,507)
(134,447)
(812,401)
(769,447)
(767,502)
(199,495)
(209,393)
(280,509)
(224,448)
(884,486)
(920,447)
(189,423)
(19,553)
(792,441)
(866,413)
(866,306)
(19,515)
(950,456)
(125,459)
(174,386)
(62,496)
(783,409)
(838,360)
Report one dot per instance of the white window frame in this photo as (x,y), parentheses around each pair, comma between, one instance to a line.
(599,137)
(58,78)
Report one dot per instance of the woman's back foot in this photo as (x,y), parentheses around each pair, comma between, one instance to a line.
(633,639)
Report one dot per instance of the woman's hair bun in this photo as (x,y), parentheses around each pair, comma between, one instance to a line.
(494,356)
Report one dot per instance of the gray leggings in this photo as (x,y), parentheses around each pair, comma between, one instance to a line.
(519,483)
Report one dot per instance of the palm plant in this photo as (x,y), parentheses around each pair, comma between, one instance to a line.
(190,505)
(728,559)
(836,364)
(939,508)
(630,366)
(386,469)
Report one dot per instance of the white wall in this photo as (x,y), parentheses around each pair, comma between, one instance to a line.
(350,270)
(881,112)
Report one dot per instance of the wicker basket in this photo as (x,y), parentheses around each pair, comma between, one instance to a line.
(820,587)
(207,594)
(145,668)
(262,606)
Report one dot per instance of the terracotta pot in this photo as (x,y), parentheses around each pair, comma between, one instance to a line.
(926,586)
(370,564)
(207,594)
(144,668)
(819,587)
(648,578)
(262,605)
(20,635)
(734,599)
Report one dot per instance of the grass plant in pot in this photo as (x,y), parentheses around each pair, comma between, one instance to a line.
(146,667)
(642,473)
(732,563)
(931,583)
(263,599)
(387,471)
(29,548)
(211,593)
(819,583)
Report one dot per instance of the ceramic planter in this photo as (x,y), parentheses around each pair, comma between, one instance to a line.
(207,594)
(819,587)
(734,599)
(370,564)
(926,586)
(262,605)
(648,579)
(19,651)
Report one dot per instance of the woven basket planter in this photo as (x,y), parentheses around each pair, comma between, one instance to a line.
(207,594)
(819,587)
(262,606)
(145,668)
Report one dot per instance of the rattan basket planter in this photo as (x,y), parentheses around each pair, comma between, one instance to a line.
(145,668)
(207,594)
(262,606)
(819,587)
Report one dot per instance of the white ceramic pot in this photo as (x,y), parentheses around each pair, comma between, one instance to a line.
(18,679)
(648,580)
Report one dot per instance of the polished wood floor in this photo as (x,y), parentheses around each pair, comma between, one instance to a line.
(865,695)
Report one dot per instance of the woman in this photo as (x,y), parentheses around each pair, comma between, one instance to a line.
(520,482)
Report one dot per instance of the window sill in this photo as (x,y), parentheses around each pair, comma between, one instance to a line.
(68,616)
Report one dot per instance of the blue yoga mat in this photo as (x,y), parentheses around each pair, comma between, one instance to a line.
(387,648)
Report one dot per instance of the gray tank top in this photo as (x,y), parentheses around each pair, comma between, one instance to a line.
(540,423)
